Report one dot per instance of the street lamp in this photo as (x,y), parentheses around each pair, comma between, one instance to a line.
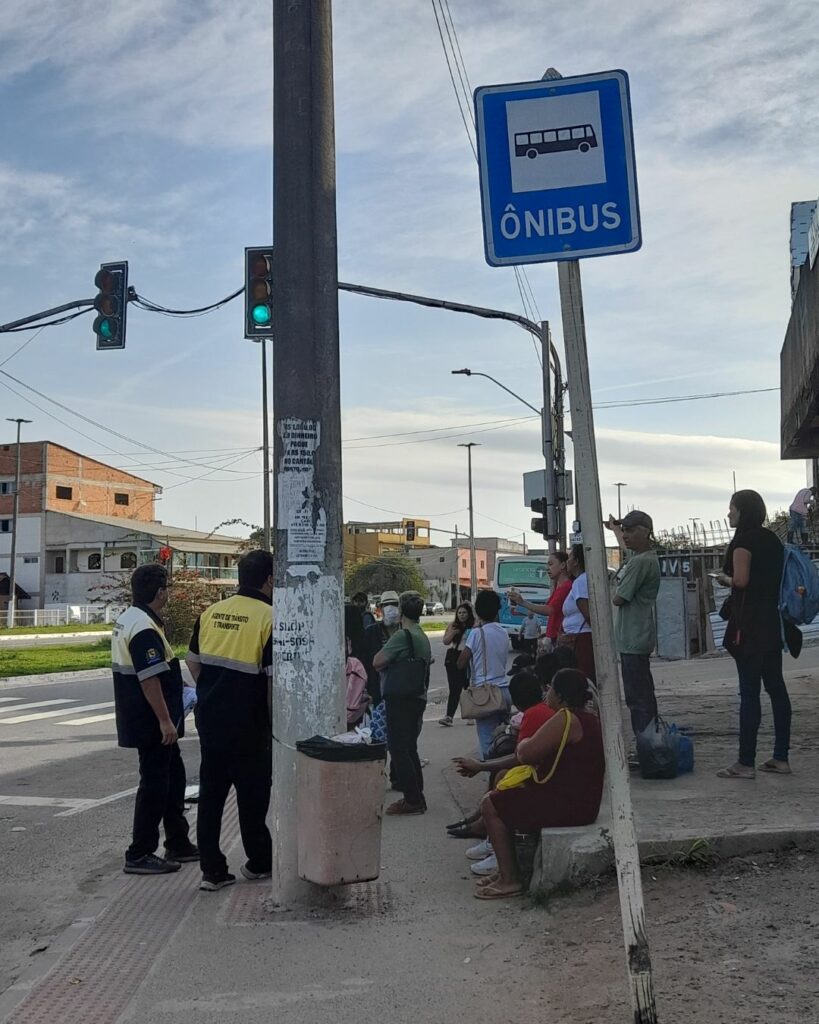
(12,608)
(473,573)
(548,447)
(619,487)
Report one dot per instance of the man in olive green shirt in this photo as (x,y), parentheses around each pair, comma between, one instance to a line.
(405,715)
(636,586)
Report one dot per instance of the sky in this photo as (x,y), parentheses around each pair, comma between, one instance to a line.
(144,132)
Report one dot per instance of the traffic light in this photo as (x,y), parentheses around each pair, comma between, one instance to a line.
(410,530)
(111,304)
(539,524)
(259,292)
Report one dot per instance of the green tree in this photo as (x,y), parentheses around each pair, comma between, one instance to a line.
(189,596)
(384,572)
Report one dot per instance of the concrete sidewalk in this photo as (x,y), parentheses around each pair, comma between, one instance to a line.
(415,946)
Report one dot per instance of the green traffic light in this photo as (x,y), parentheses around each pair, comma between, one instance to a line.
(106,330)
(261,315)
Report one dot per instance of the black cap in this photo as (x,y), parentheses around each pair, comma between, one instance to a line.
(521,661)
(637,518)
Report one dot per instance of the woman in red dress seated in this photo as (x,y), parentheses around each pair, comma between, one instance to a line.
(566,754)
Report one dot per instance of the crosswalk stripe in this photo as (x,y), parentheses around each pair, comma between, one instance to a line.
(4,700)
(40,704)
(88,721)
(38,716)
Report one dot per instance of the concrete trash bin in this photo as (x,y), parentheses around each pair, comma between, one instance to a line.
(340,795)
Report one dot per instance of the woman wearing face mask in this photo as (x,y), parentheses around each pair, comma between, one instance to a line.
(455,641)
(375,636)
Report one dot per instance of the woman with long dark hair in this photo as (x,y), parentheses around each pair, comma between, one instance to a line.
(455,641)
(753,636)
(576,630)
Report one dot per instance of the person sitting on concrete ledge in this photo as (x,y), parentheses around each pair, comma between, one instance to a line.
(565,787)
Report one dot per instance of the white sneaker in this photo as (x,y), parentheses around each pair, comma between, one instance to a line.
(480,851)
(485,867)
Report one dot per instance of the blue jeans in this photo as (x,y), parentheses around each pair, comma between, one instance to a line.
(796,524)
(486,726)
(765,669)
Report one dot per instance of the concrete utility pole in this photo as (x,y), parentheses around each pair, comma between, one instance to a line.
(473,572)
(619,487)
(265,452)
(308,612)
(626,854)
(12,608)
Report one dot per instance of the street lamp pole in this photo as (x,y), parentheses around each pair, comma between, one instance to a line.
(473,573)
(545,415)
(619,487)
(12,608)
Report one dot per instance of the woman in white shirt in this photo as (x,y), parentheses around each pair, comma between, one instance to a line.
(577,632)
(486,653)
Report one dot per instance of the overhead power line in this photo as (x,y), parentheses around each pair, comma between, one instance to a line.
(680,398)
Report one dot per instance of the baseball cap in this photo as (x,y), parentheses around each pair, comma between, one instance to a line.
(520,662)
(637,518)
(388,597)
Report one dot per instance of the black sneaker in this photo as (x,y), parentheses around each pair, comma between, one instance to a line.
(254,876)
(185,855)
(150,864)
(213,883)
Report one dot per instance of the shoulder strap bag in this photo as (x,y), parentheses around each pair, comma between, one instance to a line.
(407,677)
(522,773)
(485,699)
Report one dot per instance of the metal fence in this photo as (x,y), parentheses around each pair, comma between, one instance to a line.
(66,615)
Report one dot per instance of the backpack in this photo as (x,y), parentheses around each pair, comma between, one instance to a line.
(358,698)
(799,590)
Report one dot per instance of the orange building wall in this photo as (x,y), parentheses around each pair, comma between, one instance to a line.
(45,466)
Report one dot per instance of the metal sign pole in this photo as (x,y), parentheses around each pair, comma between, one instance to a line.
(638,957)
(548,443)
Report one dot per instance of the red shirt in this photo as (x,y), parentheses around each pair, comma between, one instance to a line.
(532,720)
(554,623)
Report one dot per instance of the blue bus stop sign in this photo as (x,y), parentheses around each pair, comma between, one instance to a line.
(557,174)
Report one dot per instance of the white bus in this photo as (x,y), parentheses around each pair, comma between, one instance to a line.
(528,575)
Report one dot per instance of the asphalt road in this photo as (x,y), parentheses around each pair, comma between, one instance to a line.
(66,803)
(17,640)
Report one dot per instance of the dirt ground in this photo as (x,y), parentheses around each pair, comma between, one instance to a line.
(732,944)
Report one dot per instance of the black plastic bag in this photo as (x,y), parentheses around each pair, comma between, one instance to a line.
(658,750)
(322,749)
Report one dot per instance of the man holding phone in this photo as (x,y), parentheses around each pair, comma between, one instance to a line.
(637,584)
(148,704)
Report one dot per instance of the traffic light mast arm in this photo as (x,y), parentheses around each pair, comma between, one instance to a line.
(44,313)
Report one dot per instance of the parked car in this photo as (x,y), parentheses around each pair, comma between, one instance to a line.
(433,608)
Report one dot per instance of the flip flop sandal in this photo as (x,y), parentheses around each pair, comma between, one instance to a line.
(458,824)
(732,773)
(774,769)
(489,892)
(487,880)
(465,833)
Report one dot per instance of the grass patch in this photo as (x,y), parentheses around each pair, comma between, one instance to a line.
(98,627)
(435,627)
(31,661)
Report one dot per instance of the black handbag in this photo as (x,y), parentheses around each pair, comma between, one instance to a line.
(408,677)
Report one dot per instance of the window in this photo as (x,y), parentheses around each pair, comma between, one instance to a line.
(463,563)
(589,132)
(127,560)
(536,137)
(5,526)
(564,133)
(482,565)
(578,133)
(59,565)
(6,487)
(94,561)
(120,498)
(31,560)
(442,559)
(65,493)
(550,136)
